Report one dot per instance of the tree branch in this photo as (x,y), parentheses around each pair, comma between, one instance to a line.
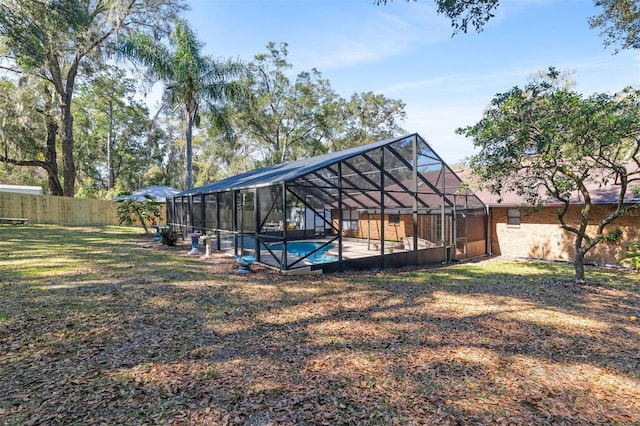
(30,163)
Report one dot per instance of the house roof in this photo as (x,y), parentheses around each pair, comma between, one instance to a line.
(600,194)
(23,189)
(159,192)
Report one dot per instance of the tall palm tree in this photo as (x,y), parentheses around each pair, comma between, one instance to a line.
(193,81)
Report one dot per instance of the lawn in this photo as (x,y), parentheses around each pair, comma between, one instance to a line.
(103,326)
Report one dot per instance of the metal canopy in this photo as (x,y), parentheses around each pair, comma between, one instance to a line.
(287,171)
(389,203)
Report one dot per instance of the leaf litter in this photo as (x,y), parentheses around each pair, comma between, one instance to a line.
(180,340)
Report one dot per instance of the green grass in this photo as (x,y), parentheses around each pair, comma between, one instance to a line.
(103,325)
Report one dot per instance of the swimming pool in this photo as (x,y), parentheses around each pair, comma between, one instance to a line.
(303,248)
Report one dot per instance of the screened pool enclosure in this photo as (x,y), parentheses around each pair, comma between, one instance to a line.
(387,204)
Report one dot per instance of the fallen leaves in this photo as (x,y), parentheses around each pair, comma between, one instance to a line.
(178,340)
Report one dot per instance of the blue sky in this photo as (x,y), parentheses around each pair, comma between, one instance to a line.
(405,51)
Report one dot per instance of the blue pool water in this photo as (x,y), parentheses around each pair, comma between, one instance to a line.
(301,249)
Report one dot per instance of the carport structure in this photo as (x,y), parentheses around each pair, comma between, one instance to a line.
(386,204)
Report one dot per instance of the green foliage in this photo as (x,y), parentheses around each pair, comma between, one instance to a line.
(112,133)
(193,81)
(619,22)
(545,141)
(632,256)
(22,128)
(61,42)
(284,119)
(28,134)
(464,13)
(367,118)
(166,155)
(614,235)
(146,213)
(30,28)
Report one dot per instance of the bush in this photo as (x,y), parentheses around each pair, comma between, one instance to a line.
(169,237)
(632,256)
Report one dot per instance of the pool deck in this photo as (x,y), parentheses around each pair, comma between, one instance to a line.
(351,249)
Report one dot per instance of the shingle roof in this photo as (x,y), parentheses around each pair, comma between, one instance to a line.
(160,193)
(600,194)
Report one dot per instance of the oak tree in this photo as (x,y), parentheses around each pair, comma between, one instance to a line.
(61,40)
(618,20)
(547,142)
(29,129)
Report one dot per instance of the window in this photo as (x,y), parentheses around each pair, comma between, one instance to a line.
(513,217)
(349,220)
(394,219)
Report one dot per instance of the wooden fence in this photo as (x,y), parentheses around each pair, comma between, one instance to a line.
(58,210)
(63,210)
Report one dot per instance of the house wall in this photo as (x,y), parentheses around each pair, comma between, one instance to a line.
(429,229)
(373,225)
(392,231)
(539,234)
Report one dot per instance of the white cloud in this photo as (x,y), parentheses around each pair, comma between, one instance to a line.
(375,36)
(410,85)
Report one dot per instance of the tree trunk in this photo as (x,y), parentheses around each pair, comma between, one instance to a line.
(188,135)
(111,174)
(141,219)
(65,93)
(578,265)
(68,165)
(50,158)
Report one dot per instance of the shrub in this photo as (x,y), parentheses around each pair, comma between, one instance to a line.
(632,256)
(169,237)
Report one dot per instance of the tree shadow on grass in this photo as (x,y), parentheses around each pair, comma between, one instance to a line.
(183,340)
